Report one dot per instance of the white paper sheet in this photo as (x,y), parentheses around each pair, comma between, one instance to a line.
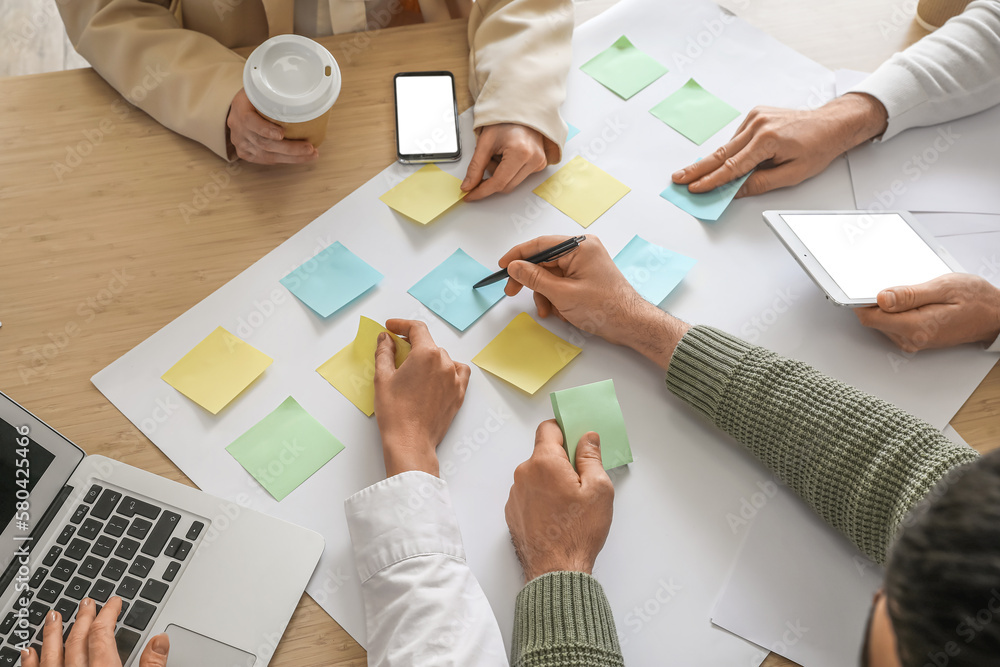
(950,167)
(798,587)
(955,224)
(977,253)
(670,547)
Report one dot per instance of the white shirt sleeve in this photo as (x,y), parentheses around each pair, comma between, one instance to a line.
(423,606)
(951,73)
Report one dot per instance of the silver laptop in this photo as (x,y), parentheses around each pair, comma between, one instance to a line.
(220,579)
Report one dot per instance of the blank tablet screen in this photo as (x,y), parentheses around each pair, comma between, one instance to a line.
(865,253)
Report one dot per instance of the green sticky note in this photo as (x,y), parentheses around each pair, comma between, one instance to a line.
(695,112)
(624,69)
(285,448)
(593,407)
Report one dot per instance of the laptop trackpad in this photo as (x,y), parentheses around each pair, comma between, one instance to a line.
(189,649)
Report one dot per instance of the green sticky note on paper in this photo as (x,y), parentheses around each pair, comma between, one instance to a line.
(333,278)
(695,112)
(425,194)
(582,190)
(447,290)
(653,271)
(624,69)
(285,448)
(217,370)
(525,354)
(352,370)
(593,407)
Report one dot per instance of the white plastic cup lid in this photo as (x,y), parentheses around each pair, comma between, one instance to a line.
(291,79)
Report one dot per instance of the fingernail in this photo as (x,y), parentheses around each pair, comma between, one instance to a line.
(51,618)
(890,298)
(382,336)
(25,654)
(85,602)
(160,645)
(678,174)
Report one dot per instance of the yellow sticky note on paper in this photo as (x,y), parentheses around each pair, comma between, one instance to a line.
(526,354)
(352,370)
(217,370)
(425,194)
(582,191)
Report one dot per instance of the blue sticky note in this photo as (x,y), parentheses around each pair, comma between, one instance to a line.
(653,271)
(333,278)
(707,205)
(447,290)
(573,131)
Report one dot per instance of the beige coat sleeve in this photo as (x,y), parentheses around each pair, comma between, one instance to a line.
(184,79)
(519,61)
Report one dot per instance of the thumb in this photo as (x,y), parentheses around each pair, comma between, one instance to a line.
(588,456)
(533,277)
(899,299)
(385,357)
(477,165)
(156,652)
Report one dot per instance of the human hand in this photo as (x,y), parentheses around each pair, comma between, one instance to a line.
(559,518)
(586,289)
(91,642)
(511,152)
(415,403)
(950,310)
(261,141)
(787,146)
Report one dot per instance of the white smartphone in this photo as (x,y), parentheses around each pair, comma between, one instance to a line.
(426,117)
(854,255)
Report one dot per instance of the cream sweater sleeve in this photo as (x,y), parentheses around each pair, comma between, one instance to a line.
(519,60)
(951,73)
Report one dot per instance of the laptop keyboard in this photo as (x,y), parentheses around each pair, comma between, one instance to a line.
(112,544)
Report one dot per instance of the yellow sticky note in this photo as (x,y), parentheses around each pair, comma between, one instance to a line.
(425,194)
(217,370)
(352,370)
(582,191)
(526,354)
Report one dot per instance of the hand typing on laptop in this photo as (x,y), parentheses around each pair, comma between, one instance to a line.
(90,641)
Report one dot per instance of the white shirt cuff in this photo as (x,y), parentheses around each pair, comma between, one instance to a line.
(406,515)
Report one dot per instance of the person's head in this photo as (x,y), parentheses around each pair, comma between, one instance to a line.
(940,605)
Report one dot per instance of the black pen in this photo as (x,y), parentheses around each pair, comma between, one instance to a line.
(553,253)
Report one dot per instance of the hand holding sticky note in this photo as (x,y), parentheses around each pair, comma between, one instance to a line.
(593,407)
(704,205)
(352,370)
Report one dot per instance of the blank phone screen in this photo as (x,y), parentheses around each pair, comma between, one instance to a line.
(425,115)
(865,253)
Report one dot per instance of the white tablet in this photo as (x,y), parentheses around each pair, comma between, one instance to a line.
(853,255)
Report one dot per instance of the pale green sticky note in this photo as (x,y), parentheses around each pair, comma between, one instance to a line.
(624,69)
(593,407)
(695,112)
(285,448)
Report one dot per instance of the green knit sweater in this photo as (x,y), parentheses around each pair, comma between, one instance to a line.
(860,462)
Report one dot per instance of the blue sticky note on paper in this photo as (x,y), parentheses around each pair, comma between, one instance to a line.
(653,271)
(707,205)
(447,290)
(573,131)
(333,278)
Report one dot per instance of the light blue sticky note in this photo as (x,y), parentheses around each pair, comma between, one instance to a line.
(333,278)
(653,271)
(447,290)
(706,205)
(573,131)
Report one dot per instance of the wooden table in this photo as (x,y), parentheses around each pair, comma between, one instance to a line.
(112,226)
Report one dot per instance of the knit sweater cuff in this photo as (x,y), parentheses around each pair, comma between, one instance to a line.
(702,364)
(563,618)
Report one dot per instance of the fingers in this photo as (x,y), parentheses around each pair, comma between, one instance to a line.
(464,372)
(549,441)
(52,640)
(765,180)
(29,658)
(501,180)
(266,151)
(534,277)
(543,305)
(588,457)
(480,159)
(413,330)
(900,299)
(385,358)
(76,644)
(532,247)
(156,652)
(721,165)
(103,651)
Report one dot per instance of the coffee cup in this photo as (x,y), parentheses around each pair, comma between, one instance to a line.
(293,82)
(932,14)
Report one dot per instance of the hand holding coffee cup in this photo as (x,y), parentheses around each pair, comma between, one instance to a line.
(289,86)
